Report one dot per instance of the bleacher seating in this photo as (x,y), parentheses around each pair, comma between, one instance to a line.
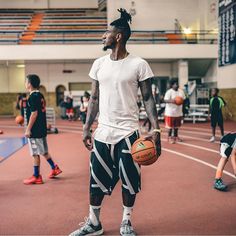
(197,113)
(71,26)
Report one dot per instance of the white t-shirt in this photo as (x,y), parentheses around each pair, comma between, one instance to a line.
(118,92)
(172,109)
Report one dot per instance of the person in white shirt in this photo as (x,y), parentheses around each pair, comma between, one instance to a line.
(173,112)
(115,81)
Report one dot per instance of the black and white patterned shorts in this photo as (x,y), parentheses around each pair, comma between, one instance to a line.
(109,163)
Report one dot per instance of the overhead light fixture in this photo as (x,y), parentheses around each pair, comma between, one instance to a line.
(187,30)
(20,66)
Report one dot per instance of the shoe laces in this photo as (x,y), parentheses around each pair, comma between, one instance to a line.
(127,228)
(85,223)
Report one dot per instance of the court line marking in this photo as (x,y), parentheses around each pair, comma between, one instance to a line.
(177,153)
(199,147)
(200,139)
(197,160)
(203,129)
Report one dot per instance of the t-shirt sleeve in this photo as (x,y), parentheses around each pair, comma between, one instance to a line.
(145,72)
(33,103)
(224,102)
(94,70)
(167,95)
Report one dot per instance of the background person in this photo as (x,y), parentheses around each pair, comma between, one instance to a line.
(227,150)
(173,112)
(215,105)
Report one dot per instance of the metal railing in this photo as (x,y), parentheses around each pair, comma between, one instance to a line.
(67,36)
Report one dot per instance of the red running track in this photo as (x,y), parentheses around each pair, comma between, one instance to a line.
(177,196)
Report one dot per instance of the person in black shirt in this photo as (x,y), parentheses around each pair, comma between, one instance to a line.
(36,130)
(23,104)
(69,108)
(215,106)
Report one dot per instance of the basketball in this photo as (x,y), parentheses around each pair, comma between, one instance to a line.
(144,152)
(179,100)
(1,132)
(19,120)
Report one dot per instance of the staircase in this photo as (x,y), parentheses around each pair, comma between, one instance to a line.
(29,34)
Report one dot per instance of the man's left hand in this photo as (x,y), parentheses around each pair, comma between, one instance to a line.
(156,138)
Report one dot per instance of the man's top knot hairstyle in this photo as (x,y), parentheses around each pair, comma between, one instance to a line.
(124,15)
(122,23)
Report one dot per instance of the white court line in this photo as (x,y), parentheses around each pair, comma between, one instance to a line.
(11,126)
(200,139)
(204,129)
(195,132)
(2,141)
(199,147)
(197,160)
(71,131)
(69,127)
(177,153)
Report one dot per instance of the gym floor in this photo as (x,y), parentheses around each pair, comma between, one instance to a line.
(177,196)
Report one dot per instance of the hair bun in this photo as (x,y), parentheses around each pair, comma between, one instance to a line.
(125,15)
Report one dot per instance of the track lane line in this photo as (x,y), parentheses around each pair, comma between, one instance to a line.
(198,147)
(197,160)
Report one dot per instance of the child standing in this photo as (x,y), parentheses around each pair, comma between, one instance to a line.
(36,130)
(215,106)
(84,106)
(227,149)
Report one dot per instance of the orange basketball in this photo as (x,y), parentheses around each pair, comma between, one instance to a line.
(144,152)
(1,132)
(19,120)
(179,100)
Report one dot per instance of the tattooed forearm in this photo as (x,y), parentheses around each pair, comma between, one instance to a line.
(93,106)
(149,103)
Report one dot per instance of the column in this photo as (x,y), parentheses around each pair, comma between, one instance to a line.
(182,73)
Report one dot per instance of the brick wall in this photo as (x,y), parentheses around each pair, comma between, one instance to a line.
(229,96)
(8,103)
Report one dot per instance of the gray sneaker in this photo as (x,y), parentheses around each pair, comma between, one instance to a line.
(87,228)
(126,229)
(219,185)
(212,139)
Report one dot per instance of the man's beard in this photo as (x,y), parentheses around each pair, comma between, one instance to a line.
(111,46)
(105,48)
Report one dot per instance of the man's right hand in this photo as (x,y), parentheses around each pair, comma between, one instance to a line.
(87,139)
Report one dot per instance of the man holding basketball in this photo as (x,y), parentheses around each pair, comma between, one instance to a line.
(115,81)
(173,110)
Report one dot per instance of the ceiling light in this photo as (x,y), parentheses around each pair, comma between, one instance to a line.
(20,66)
(187,31)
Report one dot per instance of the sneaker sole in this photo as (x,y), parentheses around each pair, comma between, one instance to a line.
(100,232)
(222,190)
(33,183)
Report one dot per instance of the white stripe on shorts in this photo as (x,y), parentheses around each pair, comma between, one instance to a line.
(102,162)
(99,183)
(131,190)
